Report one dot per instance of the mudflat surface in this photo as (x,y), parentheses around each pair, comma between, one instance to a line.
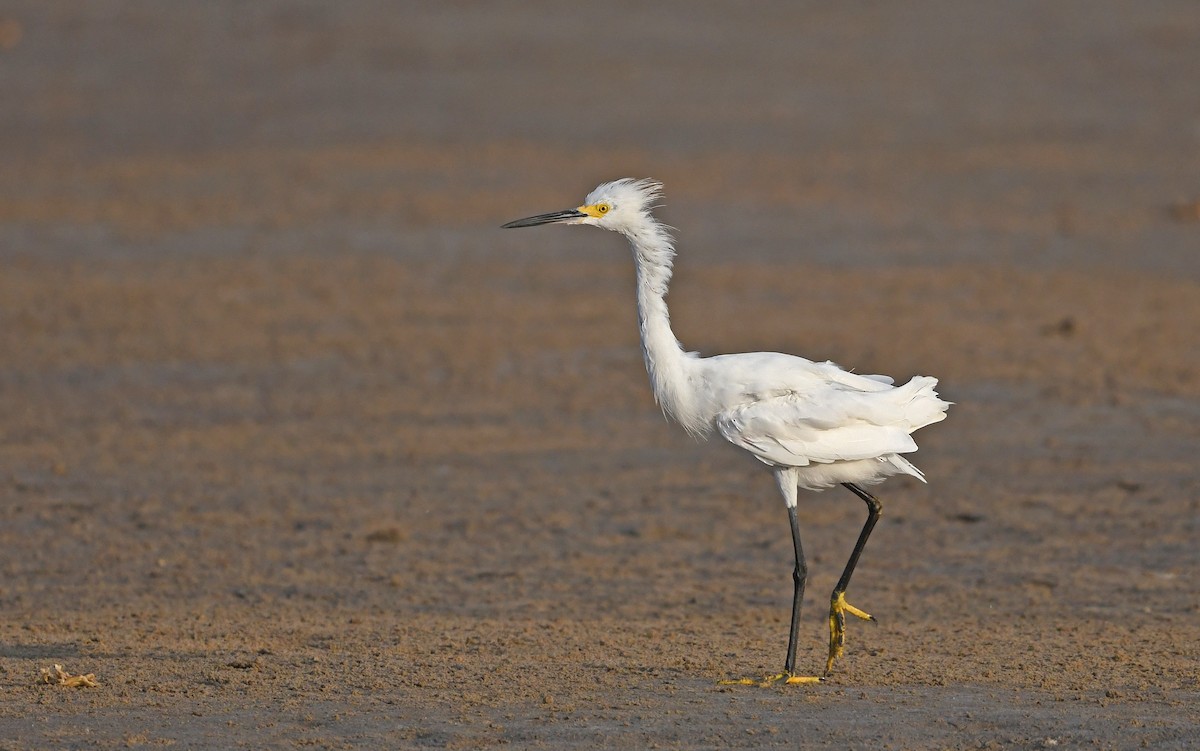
(298,449)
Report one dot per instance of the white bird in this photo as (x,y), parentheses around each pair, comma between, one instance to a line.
(813,423)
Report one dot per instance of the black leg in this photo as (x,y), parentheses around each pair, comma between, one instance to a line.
(799,578)
(838,607)
(874,510)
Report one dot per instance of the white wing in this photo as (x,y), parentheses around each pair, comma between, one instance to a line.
(758,375)
(839,421)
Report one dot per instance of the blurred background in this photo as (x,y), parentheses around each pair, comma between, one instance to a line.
(1024,133)
(295,441)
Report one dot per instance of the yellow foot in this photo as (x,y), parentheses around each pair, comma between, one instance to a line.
(838,607)
(784,678)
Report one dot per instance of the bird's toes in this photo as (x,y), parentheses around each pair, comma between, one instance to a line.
(786,679)
(804,679)
(739,682)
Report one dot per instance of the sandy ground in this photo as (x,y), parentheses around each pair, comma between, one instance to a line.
(298,448)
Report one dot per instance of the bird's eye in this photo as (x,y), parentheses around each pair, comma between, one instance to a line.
(602,208)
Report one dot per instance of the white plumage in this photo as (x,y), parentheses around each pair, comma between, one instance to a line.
(815,424)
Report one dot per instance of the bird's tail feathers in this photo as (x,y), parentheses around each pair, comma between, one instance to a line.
(922,404)
(906,467)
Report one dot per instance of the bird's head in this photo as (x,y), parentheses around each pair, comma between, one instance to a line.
(620,205)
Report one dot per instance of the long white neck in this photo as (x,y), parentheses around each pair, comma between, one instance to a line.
(666,362)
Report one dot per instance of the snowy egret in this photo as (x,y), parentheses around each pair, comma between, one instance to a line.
(813,423)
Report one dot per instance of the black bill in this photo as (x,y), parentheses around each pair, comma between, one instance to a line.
(556,216)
